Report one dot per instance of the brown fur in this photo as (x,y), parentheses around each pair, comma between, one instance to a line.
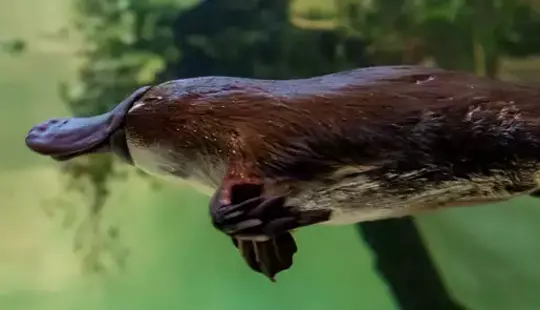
(406,116)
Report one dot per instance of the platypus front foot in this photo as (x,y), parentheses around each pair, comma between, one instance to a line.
(259,226)
(252,216)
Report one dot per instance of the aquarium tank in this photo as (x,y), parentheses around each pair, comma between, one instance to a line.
(93,233)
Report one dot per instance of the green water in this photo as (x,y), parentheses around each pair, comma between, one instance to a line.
(487,255)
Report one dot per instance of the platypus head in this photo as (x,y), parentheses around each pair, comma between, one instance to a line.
(66,138)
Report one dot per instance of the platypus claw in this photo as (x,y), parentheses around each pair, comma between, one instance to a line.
(252,216)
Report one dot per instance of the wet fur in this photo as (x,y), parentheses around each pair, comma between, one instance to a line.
(368,143)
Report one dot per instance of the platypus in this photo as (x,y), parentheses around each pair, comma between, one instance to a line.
(359,145)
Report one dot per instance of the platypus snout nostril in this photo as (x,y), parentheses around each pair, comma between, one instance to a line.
(34,137)
(40,128)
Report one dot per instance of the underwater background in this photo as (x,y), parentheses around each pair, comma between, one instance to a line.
(95,234)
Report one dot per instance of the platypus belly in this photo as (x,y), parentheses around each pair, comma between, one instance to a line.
(361,199)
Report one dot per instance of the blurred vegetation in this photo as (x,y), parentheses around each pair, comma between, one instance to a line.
(13,46)
(129,43)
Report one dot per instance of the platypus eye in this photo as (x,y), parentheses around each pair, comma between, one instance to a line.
(119,147)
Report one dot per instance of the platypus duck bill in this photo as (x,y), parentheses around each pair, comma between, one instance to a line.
(63,139)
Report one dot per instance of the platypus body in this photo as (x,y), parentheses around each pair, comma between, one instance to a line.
(358,145)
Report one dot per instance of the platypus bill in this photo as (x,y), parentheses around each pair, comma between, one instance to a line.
(358,145)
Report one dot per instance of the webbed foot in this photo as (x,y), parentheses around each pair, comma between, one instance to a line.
(268,257)
(260,226)
(252,216)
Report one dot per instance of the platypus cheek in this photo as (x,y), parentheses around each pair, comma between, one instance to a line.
(146,158)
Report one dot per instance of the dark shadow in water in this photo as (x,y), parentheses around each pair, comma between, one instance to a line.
(405,265)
